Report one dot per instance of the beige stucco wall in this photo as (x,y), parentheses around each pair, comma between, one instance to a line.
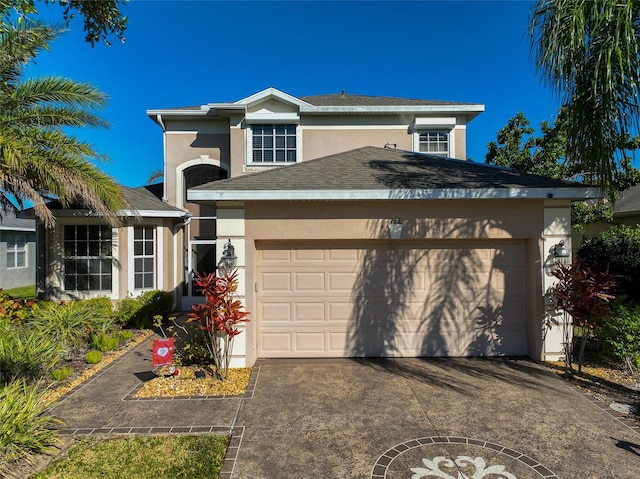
(368,220)
(319,143)
(460,141)
(193,148)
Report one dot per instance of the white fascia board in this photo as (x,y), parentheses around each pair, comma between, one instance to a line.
(267,92)
(130,213)
(155,114)
(577,193)
(438,121)
(17,228)
(153,213)
(476,108)
(272,117)
(223,106)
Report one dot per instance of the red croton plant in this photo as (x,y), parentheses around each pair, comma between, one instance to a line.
(584,295)
(219,317)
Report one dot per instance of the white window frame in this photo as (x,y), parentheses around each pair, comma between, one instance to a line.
(158,262)
(112,258)
(144,256)
(16,250)
(274,124)
(417,142)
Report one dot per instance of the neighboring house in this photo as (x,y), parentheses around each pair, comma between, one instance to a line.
(17,251)
(306,189)
(626,211)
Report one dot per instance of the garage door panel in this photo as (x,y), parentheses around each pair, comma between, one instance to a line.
(275,281)
(309,282)
(343,255)
(339,312)
(308,255)
(439,299)
(274,255)
(274,312)
(341,281)
(276,344)
(309,342)
(309,311)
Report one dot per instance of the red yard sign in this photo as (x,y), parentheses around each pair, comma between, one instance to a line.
(162,352)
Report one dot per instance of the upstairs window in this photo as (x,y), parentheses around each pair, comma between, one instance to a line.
(16,251)
(273,143)
(434,143)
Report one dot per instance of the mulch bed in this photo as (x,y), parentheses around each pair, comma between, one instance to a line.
(607,382)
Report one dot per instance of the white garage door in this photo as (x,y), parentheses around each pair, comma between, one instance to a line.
(391,299)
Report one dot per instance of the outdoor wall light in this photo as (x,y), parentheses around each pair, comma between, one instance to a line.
(395,228)
(560,252)
(228,259)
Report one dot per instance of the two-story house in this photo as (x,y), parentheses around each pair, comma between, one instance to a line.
(357,226)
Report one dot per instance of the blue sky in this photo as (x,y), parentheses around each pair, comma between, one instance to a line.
(184,53)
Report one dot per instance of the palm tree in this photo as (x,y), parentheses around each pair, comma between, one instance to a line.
(588,52)
(39,160)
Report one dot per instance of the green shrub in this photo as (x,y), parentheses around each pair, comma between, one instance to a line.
(15,310)
(139,312)
(193,349)
(23,426)
(616,251)
(125,335)
(62,373)
(100,312)
(105,342)
(619,336)
(26,352)
(126,310)
(93,357)
(68,322)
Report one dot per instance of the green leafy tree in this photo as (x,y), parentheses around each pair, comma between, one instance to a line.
(517,147)
(588,51)
(39,159)
(102,18)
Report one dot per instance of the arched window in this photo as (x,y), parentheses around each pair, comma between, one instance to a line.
(200,175)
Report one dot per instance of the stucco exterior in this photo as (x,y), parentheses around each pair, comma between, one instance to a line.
(537,224)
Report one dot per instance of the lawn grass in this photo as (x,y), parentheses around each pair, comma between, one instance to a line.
(24,292)
(141,457)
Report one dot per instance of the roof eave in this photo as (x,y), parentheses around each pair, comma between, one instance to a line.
(569,193)
(470,109)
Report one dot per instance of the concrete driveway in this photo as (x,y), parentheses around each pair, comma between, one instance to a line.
(432,418)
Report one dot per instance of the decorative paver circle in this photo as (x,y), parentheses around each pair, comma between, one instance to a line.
(448,457)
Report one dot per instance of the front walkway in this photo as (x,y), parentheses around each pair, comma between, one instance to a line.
(363,419)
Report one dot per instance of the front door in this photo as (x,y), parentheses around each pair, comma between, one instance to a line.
(201,260)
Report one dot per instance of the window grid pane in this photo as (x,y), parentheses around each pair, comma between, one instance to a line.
(87,262)
(436,143)
(274,143)
(144,257)
(16,251)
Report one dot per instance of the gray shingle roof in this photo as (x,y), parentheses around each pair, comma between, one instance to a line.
(628,203)
(148,198)
(347,99)
(372,168)
(141,198)
(8,221)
